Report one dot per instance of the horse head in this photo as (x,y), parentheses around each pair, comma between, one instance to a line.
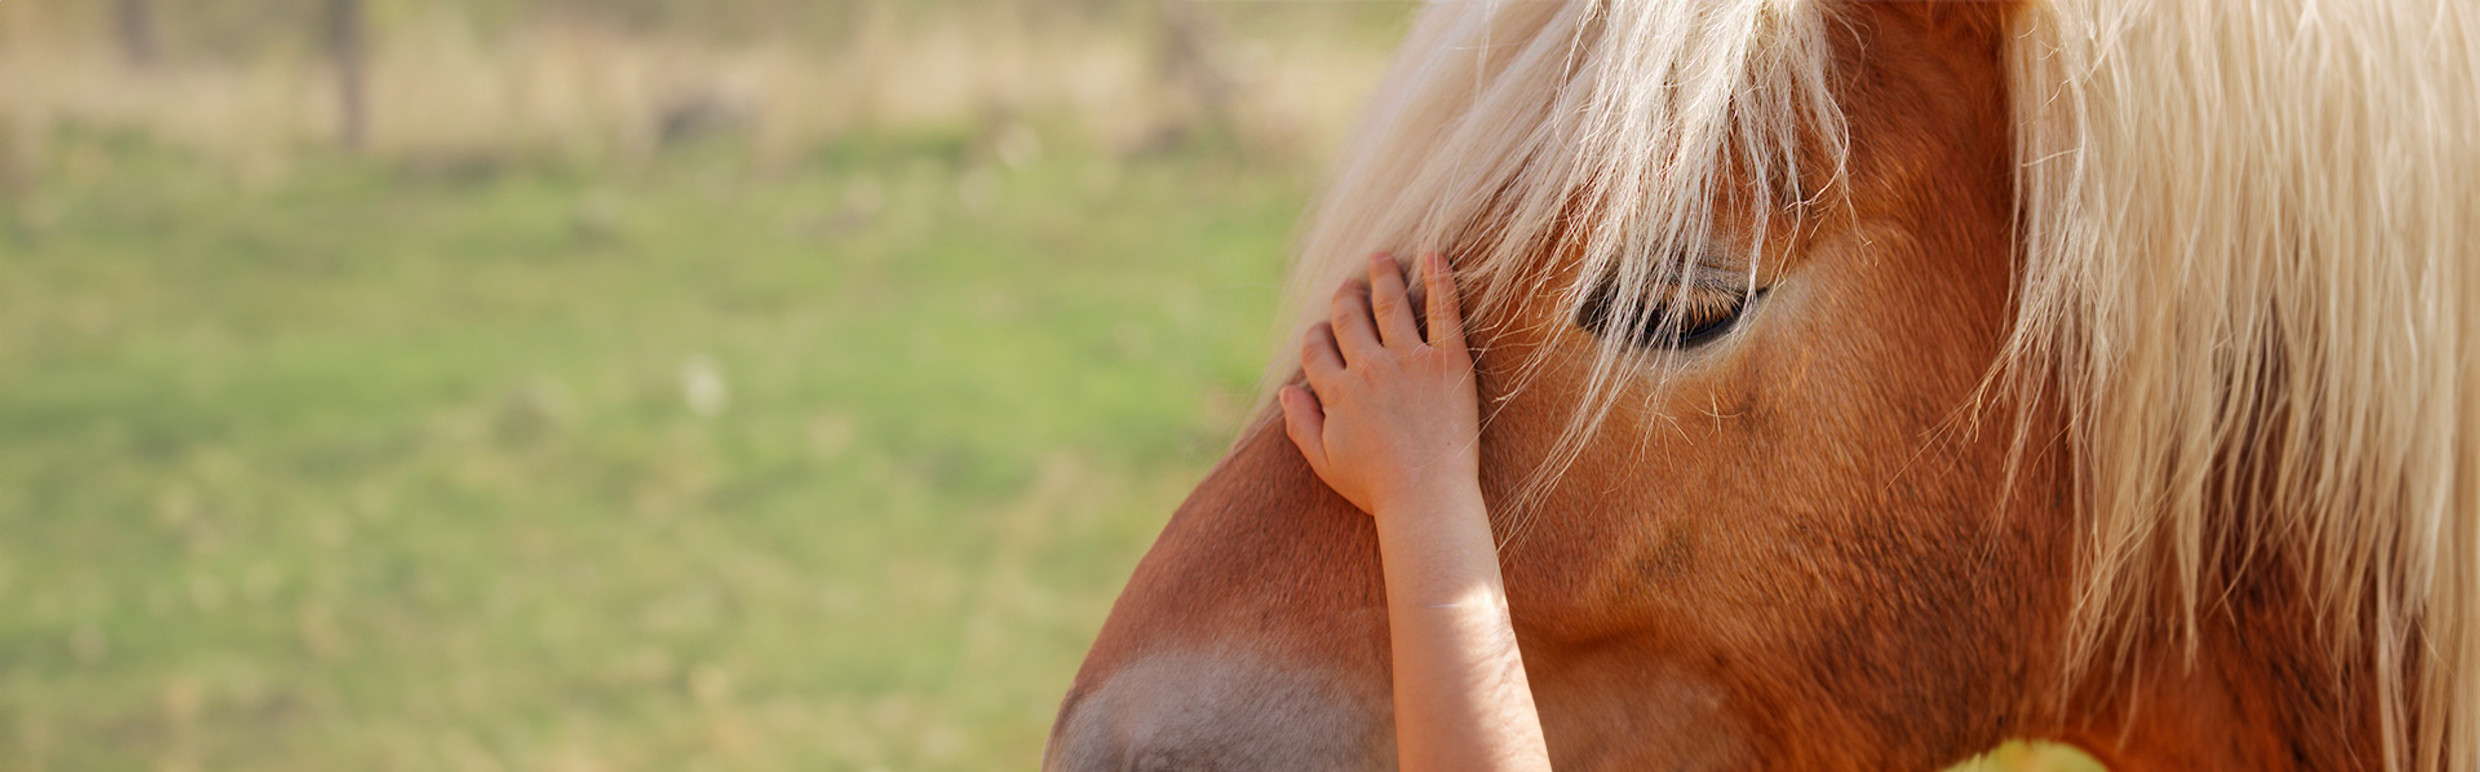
(1866,384)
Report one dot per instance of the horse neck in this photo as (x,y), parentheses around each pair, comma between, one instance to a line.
(2256,691)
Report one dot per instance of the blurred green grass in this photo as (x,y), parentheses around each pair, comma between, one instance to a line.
(691,467)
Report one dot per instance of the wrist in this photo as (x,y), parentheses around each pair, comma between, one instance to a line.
(1432,501)
(1439,555)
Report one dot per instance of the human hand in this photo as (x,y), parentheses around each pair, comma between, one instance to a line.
(1388,419)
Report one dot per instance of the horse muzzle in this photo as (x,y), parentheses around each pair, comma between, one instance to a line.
(1184,712)
(1252,636)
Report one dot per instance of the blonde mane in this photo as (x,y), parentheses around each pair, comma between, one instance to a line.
(2249,237)
(2250,234)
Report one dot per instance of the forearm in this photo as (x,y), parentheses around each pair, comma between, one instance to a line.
(1461,697)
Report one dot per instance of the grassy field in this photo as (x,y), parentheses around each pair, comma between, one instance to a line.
(690,468)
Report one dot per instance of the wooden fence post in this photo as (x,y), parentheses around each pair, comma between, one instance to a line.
(137,28)
(1188,60)
(346,41)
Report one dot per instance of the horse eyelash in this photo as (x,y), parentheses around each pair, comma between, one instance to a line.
(1677,318)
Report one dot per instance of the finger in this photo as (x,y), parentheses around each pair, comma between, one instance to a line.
(1305,422)
(1446,311)
(1388,305)
(1355,334)
(1318,357)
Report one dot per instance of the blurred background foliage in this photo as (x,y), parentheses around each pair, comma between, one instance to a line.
(619,384)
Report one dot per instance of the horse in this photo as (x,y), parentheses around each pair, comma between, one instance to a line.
(1867,384)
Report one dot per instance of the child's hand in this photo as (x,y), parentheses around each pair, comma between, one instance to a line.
(1392,420)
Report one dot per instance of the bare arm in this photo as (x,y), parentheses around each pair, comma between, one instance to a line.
(1392,423)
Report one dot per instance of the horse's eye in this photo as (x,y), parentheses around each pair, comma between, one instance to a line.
(1674,318)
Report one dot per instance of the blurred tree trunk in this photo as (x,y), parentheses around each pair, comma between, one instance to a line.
(346,41)
(137,27)
(1188,60)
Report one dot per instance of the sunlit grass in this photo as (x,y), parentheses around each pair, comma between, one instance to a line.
(695,467)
